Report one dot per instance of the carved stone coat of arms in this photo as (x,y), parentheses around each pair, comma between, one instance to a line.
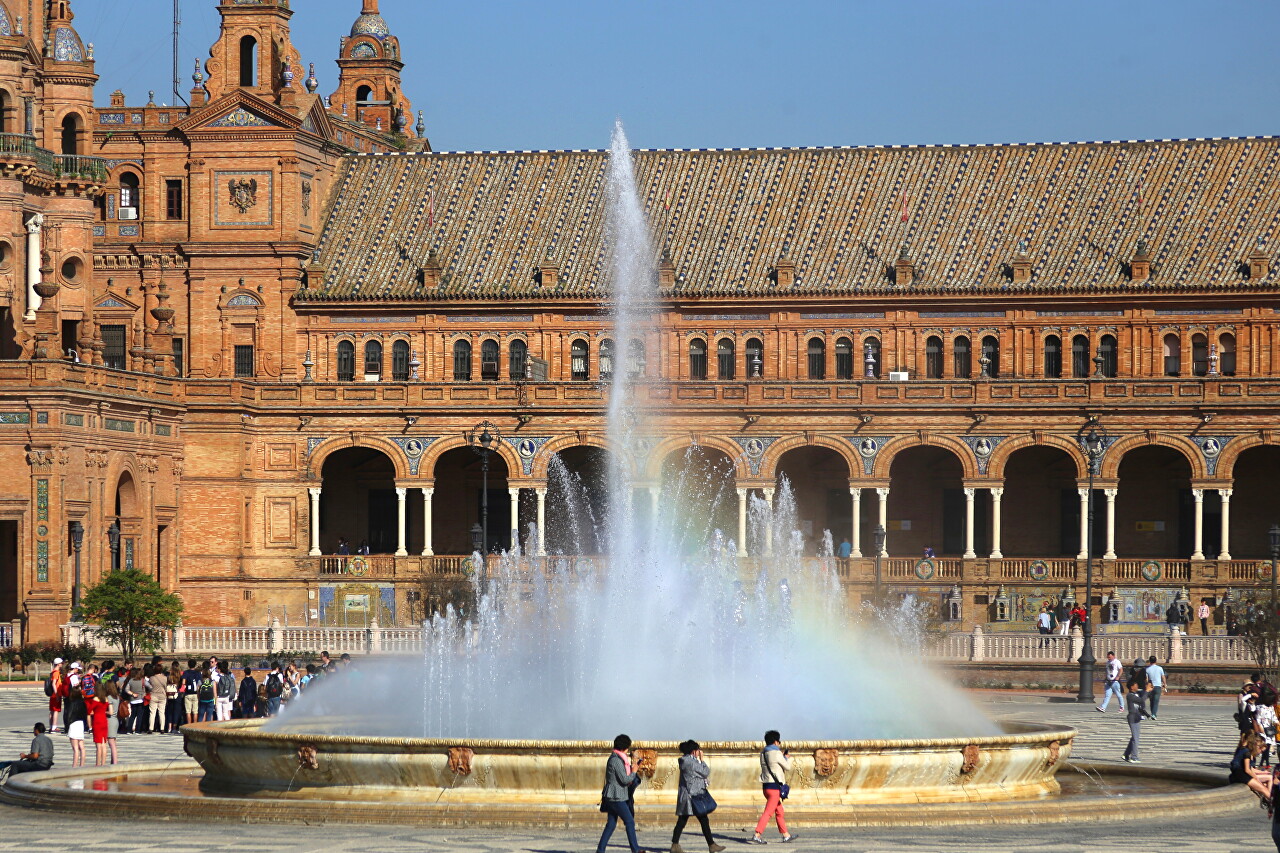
(244,193)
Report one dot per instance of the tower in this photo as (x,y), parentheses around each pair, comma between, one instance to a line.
(369,75)
(253,52)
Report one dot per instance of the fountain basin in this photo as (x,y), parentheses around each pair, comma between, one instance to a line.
(240,758)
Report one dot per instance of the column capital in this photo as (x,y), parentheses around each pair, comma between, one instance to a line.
(314,491)
(1197,495)
(1111,494)
(883,492)
(997,492)
(968,493)
(513,491)
(1083,492)
(401,491)
(742,494)
(428,492)
(541,492)
(1224,494)
(855,492)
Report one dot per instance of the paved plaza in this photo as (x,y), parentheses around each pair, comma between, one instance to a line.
(1194,732)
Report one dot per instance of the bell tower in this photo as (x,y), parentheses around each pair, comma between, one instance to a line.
(253,52)
(369,75)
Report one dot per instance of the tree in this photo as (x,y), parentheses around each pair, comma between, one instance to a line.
(1259,624)
(131,611)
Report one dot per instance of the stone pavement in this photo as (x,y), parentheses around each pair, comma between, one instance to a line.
(1194,732)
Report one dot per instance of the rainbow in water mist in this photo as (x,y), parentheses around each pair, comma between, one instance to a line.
(669,635)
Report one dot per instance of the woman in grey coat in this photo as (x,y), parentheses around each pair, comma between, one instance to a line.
(620,780)
(694,773)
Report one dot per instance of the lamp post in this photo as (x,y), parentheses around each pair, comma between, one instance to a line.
(1274,533)
(482,438)
(1093,439)
(77,540)
(113,538)
(879,546)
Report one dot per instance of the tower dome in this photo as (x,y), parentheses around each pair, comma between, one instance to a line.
(370,22)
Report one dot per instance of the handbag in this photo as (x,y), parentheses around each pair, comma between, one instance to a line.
(702,804)
(784,790)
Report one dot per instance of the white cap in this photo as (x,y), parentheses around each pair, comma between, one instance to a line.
(75,665)
(57,661)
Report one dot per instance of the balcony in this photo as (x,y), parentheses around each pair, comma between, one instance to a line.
(77,167)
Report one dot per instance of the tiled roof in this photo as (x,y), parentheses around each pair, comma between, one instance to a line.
(726,216)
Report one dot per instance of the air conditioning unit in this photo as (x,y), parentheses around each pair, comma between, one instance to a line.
(128,213)
(899,376)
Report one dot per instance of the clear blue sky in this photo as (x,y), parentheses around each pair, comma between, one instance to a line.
(742,73)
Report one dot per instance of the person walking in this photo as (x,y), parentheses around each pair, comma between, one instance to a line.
(620,781)
(1044,624)
(774,764)
(1156,682)
(1112,681)
(273,687)
(692,797)
(248,698)
(1133,704)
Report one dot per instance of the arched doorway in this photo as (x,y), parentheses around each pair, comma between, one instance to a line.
(1255,505)
(458,502)
(128,511)
(819,479)
(1154,508)
(698,497)
(927,504)
(358,501)
(1041,505)
(577,501)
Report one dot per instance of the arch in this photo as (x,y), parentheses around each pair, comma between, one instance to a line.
(346,361)
(326,448)
(578,500)
(579,360)
(699,497)
(517,359)
(816,350)
(962,357)
(8,112)
(755,357)
(1041,502)
(1231,452)
(933,357)
(441,446)
(364,95)
(1108,352)
(373,359)
(697,358)
(248,62)
(543,460)
(606,359)
(69,138)
(125,502)
(1008,447)
(400,361)
(1255,506)
(462,360)
(726,358)
(1199,354)
(1172,351)
(358,500)
(871,347)
(844,358)
(894,446)
(1227,354)
(1052,357)
(130,190)
(636,361)
(658,455)
(460,479)
(991,355)
(1110,466)
(1080,357)
(769,463)
(490,364)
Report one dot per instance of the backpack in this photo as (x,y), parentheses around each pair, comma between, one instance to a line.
(88,686)
(275,686)
(205,693)
(48,686)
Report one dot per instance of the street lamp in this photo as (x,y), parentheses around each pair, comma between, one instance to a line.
(482,438)
(1274,533)
(113,538)
(1093,439)
(77,539)
(879,546)
(477,538)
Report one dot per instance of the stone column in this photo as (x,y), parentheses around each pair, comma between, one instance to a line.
(314,492)
(768,526)
(1084,523)
(427,495)
(542,521)
(1225,495)
(968,524)
(997,493)
(883,495)
(856,494)
(1197,548)
(654,493)
(515,516)
(742,522)
(1110,553)
(34,224)
(400,496)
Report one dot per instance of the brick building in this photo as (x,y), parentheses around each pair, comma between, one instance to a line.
(239,330)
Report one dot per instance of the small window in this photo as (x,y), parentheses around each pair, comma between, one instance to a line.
(113,355)
(364,95)
(518,359)
(1053,357)
(1080,357)
(726,355)
(1227,354)
(1199,355)
(1172,355)
(755,358)
(400,361)
(173,200)
(461,361)
(844,359)
(1107,350)
(991,356)
(933,357)
(817,358)
(697,359)
(372,360)
(606,359)
(636,364)
(871,347)
(179,357)
(962,358)
(244,361)
(578,366)
(130,196)
(489,360)
(248,62)
(71,135)
(346,361)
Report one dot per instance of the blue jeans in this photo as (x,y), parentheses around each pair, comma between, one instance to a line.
(1112,687)
(1131,751)
(206,713)
(618,809)
(273,706)
(1154,699)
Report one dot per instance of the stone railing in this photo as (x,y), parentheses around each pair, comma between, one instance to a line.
(81,167)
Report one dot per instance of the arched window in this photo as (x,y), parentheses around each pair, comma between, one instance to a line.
(962,358)
(697,359)
(6,112)
(248,62)
(71,134)
(1199,354)
(871,347)
(130,195)
(489,360)
(400,361)
(1053,357)
(517,359)
(635,359)
(1110,360)
(461,361)
(606,359)
(1227,354)
(844,358)
(991,354)
(933,357)
(817,358)
(372,360)
(755,358)
(1080,357)
(578,364)
(364,95)
(1172,355)
(726,355)
(346,361)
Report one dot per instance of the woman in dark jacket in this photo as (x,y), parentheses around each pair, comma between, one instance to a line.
(619,781)
(694,773)
(248,699)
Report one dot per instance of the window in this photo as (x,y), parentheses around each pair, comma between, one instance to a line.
(400,361)
(489,360)
(71,135)
(130,196)
(179,353)
(726,355)
(579,367)
(1172,355)
(1107,350)
(872,348)
(933,357)
(364,95)
(1080,357)
(248,62)
(244,361)
(697,359)
(635,359)
(1053,357)
(1227,354)
(844,358)
(113,355)
(1199,355)
(606,359)
(962,357)
(755,358)
(817,358)
(991,352)
(461,361)
(346,361)
(372,360)
(173,199)
(518,358)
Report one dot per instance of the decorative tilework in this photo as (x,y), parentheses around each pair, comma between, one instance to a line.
(111,118)
(982,447)
(364,50)
(703,318)
(493,318)
(128,230)
(99,230)
(6,28)
(527,447)
(315,441)
(164,118)
(111,205)
(42,561)
(1211,449)
(1106,445)
(66,46)
(243,300)
(413,447)
(842,315)
(73,420)
(754,448)
(117,425)
(226,213)
(135,118)
(371,24)
(128,553)
(42,417)
(868,446)
(111,302)
(240,117)
(42,499)
(15,417)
